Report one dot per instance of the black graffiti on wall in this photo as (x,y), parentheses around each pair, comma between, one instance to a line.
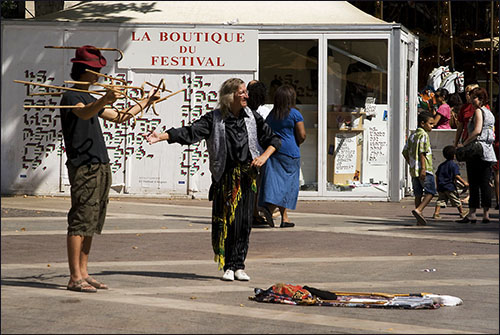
(41,128)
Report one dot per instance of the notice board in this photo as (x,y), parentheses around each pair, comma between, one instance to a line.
(344,164)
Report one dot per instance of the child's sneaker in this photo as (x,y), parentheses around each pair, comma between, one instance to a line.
(464,214)
(436,217)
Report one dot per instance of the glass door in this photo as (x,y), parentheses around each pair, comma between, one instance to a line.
(356,127)
(294,61)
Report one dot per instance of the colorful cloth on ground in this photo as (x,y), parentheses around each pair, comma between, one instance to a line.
(418,142)
(298,295)
(231,197)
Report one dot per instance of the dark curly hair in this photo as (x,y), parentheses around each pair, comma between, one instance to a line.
(442,92)
(257,93)
(481,94)
(449,152)
(423,117)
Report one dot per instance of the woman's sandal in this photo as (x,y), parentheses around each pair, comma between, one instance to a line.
(466,220)
(268,215)
(81,286)
(259,222)
(96,284)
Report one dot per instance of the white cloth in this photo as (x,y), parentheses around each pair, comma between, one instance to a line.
(263,111)
(334,83)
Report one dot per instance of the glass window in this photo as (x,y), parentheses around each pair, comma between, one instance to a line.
(295,62)
(356,80)
(357,69)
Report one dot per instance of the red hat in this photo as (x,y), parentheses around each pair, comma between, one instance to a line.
(90,56)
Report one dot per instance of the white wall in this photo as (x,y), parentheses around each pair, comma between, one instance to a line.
(32,148)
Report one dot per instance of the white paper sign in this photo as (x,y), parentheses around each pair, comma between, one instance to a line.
(377,146)
(188,49)
(345,153)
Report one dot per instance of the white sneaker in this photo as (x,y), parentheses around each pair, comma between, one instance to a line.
(241,275)
(228,275)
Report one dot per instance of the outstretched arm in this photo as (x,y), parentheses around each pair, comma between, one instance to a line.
(155,137)
(199,130)
(86,112)
(126,114)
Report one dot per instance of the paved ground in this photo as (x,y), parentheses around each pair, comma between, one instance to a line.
(156,256)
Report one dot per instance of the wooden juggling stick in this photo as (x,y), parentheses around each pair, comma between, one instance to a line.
(103,49)
(57,87)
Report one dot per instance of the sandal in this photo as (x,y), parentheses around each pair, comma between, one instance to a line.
(420,219)
(259,222)
(81,286)
(96,284)
(287,225)
(268,215)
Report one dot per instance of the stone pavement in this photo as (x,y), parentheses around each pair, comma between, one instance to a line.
(155,254)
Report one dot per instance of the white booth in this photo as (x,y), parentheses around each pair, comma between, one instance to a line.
(355,77)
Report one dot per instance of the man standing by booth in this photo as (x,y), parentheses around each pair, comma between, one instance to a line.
(87,161)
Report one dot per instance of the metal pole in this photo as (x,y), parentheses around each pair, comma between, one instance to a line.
(451,37)
(491,55)
(439,34)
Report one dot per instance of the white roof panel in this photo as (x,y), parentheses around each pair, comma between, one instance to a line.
(216,12)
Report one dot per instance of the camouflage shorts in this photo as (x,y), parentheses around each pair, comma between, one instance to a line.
(90,185)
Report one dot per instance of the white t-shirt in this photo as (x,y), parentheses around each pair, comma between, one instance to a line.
(263,111)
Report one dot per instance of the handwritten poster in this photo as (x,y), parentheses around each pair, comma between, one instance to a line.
(377,146)
(345,153)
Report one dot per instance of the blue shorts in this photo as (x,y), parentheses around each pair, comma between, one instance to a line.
(427,187)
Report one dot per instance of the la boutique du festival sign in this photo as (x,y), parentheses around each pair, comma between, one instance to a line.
(188,49)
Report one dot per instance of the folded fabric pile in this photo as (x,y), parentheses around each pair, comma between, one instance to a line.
(304,295)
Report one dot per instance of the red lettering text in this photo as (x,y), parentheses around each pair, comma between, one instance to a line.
(144,37)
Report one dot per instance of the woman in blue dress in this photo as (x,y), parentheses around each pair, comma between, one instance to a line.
(280,176)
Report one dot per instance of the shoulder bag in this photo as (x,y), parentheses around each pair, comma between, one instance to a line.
(471,151)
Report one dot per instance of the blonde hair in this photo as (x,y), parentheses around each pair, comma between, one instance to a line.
(226,94)
(470,87)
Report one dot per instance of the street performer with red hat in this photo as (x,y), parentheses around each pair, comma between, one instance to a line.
(87,160)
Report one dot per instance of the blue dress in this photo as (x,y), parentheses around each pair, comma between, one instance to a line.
(280,174)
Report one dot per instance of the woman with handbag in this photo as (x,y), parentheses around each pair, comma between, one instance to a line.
(480,129)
